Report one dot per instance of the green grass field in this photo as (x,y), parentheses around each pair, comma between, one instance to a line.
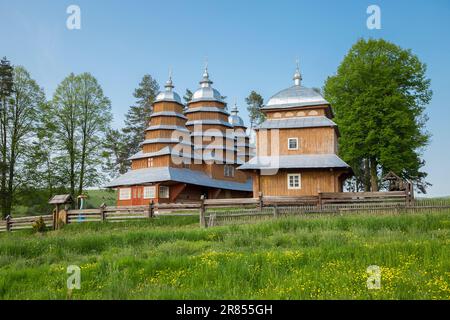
(288,258)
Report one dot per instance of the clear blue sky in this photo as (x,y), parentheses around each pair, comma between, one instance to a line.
(250,45)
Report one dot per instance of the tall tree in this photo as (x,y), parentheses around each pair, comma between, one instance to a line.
(137,117)
(64,122)
(81,115)
(187,96)
(379,96)
(18,124)
(254,103)
(6,87)
(95,119)
(116,152)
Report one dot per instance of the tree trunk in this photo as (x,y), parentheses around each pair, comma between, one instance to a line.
(373,175)
(4,165)
(366,178)
(10,190)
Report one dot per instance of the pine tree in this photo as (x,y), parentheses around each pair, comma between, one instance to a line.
(138,116)
(187,96)
(254,103)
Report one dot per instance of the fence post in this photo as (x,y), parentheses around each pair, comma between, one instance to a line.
(202,211)
(319,201)
(102,212)
(55,218)
(8,223)
(151,209)
(260,201)
(275,211)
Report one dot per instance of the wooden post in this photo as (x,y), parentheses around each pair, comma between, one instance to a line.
(411,193)
(260,201)
(102,212)
(319,201)
(151,209)
(8,223)
(275,211)
(66,216)
(202,211)
(56,218)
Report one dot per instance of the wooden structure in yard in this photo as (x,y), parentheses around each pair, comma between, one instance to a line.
(62,204)
(187,152)
(297,146)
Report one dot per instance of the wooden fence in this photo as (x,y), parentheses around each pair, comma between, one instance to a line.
(213,212)
(13,224)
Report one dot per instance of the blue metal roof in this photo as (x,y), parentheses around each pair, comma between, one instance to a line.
(160,174)
(207,109)
(297,122)
(303,161)
(209,121)
(169,114)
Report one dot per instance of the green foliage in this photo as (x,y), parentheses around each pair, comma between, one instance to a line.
(116,152)
(18,122)
(254,104)
(72,131)
(39,225)
(379,96)
(187,96)
(121,144)
(138,116)
(290,258)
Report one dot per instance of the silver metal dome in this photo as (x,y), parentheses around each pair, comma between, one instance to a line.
(295,96)
(234,119)
(168,94)
(206,92)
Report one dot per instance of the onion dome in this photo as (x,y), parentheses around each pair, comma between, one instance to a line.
(295,96)
(206,92)
(168,94)
(234,119)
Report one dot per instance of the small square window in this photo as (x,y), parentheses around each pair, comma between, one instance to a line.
(125,194)
(150,162)
(149,192)
(164,192)
(294,181)
(293,144)
(228,170)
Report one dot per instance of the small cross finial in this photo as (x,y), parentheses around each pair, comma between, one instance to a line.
(206,82)
(169,84)
(297,74)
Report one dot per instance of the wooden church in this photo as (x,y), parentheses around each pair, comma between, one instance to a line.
(188,151)
(297,146)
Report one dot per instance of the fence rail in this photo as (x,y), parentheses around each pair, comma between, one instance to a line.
(214,212)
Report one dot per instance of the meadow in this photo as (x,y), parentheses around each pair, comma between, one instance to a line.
(288,258)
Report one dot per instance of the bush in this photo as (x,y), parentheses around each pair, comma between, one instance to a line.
(39,225)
